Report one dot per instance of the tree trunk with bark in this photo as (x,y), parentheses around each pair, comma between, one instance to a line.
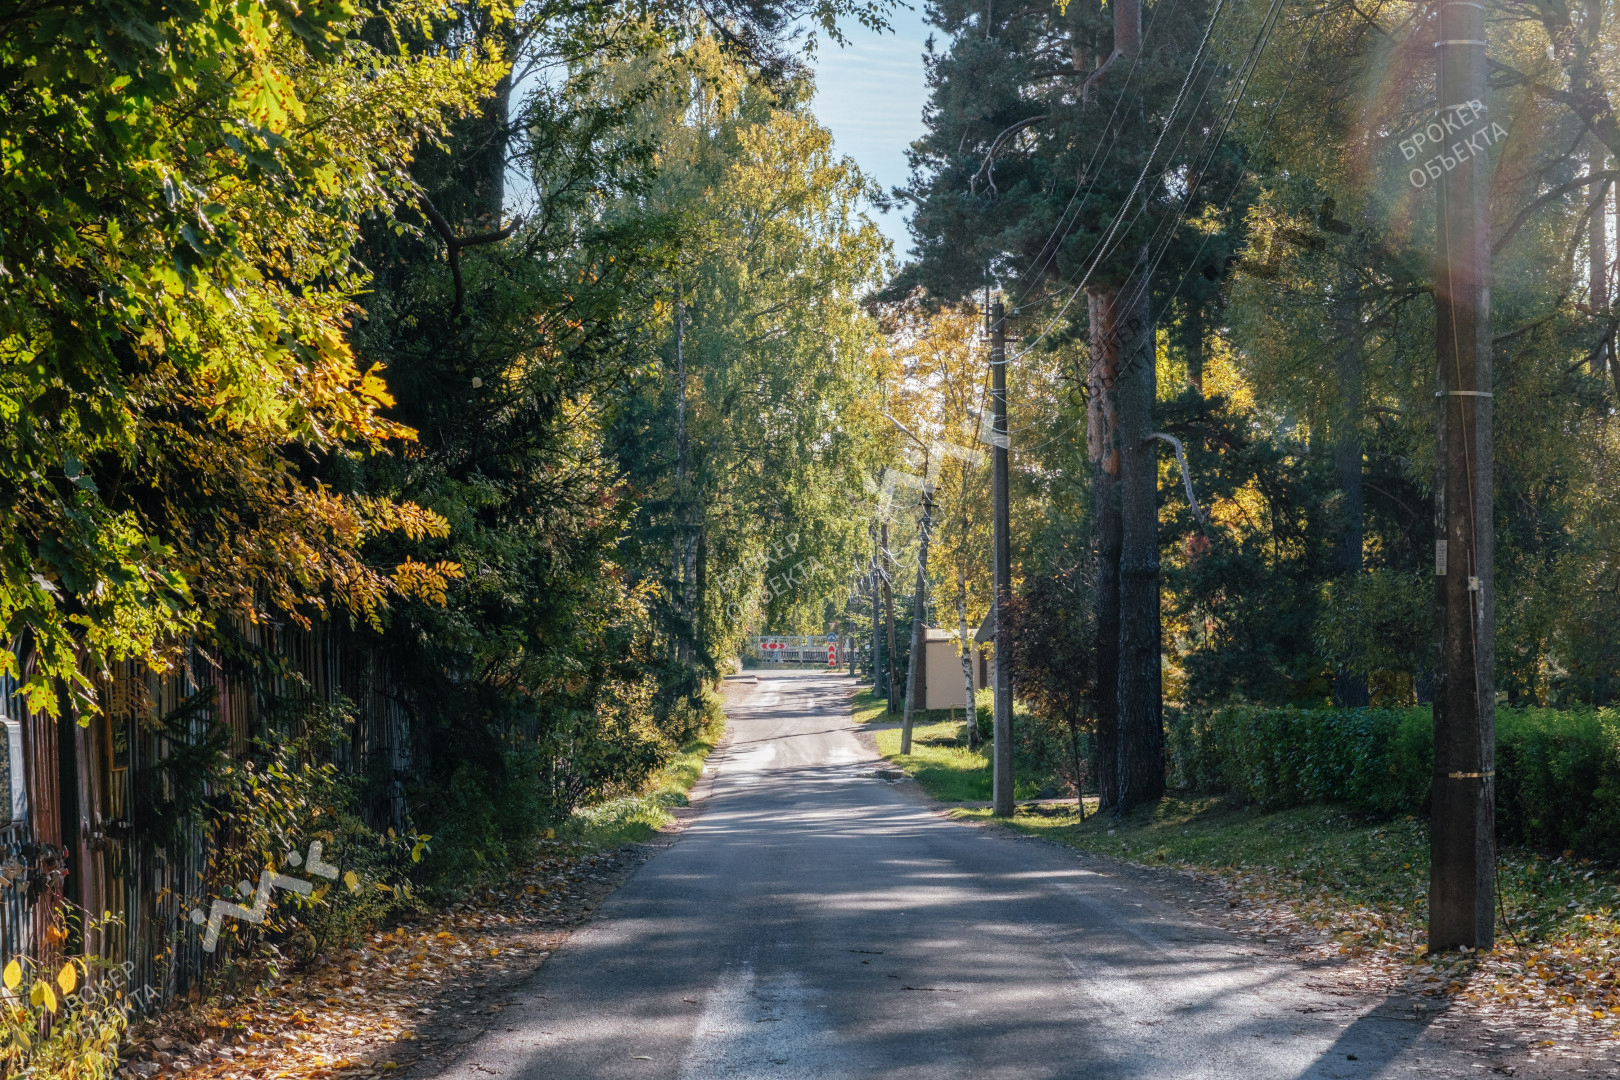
(1349,688)
(1141,725)
(1102,438)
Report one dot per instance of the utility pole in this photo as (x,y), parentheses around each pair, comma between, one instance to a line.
(877,620)
(917,681)
(888,611)
(1462,840)
(1002,752)
(683,552)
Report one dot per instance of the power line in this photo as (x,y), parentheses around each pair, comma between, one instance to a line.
(1092,173)
(1102,248)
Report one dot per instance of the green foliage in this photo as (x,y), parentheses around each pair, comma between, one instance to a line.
(1378,622)
(1558,779)
(277,799)
(1021,177)
(634,817)
(1371,759)
(182,188)
(1557,772)
(746,467)
(1241,599)
(941,762)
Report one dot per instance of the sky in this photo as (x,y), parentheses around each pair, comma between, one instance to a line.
(870,95)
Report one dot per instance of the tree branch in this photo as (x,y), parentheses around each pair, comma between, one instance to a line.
(1563,189)
(1095,76)
(1186,477)
(454,244)
(985,169)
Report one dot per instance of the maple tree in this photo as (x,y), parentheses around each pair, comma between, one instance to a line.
(183,188)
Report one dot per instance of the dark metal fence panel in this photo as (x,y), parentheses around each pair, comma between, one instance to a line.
(86,784)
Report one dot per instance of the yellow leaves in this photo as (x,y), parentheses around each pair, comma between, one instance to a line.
(426,582)
(352,880)
(67,978)
(42,996)
(12,978)
(414,521)
(373,388)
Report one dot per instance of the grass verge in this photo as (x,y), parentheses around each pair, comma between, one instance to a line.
(633,819)
(871,708)
(941,762)
(1339,884)
(1360,888)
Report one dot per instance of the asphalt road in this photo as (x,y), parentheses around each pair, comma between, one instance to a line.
(816,921)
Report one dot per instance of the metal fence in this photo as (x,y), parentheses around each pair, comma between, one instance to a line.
(69,839)
(822,649)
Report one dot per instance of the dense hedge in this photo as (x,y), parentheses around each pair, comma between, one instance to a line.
(1557,773)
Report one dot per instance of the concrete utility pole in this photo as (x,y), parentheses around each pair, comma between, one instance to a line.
(917,667)
(1002,751)
(888,610)
(1462,840)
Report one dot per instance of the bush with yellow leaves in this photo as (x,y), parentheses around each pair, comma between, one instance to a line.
(62,1023)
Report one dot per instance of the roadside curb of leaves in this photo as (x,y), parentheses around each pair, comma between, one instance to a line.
(399,997)
(408,995)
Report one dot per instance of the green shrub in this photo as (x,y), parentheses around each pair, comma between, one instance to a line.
(1040,747)
(1558,779)
(1557,772)
(1279,757)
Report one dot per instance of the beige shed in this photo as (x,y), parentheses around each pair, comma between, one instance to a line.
(943,670)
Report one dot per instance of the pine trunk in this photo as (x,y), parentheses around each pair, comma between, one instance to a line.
(1102,436)
(1349,688)
(1141,728)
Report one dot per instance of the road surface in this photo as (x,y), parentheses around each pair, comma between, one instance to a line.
(817,921)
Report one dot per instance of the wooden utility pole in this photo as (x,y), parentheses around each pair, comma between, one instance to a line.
(1002,751)
(888,611)
(1462,840)
(1140,735)
(917,666)
(877,619)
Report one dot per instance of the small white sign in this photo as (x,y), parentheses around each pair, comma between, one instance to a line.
(1439,558)
(13,785)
